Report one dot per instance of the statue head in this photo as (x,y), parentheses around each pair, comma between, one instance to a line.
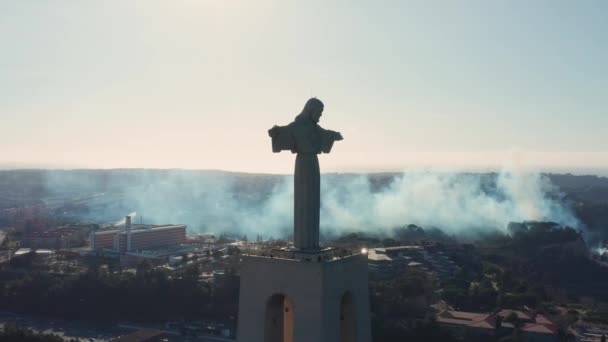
(312,110)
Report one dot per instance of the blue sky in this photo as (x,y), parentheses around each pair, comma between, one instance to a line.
(410,84)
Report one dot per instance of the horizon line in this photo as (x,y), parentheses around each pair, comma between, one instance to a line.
(598,172)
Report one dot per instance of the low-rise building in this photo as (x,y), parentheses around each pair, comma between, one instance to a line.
(135,238)
(62,237)
(144,335)
(536,327)
(389,262)
(46,253)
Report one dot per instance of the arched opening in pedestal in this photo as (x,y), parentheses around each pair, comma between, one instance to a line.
(279,319)
(348,318)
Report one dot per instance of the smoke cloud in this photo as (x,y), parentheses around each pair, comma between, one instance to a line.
(457,203)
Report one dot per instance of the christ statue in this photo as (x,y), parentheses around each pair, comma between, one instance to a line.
(305,137)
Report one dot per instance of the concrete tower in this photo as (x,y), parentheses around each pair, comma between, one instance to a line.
(307,294)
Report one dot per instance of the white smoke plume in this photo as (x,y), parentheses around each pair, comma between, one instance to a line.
(218,202)
(456,203)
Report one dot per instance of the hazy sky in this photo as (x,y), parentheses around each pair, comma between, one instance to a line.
(197,84)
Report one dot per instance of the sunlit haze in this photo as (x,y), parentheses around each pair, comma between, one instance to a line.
(409,84)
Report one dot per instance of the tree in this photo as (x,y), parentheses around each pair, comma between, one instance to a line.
(13,333)
(389,242)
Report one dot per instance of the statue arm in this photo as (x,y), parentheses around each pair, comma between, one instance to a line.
(282,138)
(327,139)
(302,139)
(274,131)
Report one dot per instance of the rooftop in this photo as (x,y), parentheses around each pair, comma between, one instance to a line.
(138,229)
(22,251)
(372,255)
(155,228)
(139,336)
(470,319)
(520,314)
(397,248)
(539,324)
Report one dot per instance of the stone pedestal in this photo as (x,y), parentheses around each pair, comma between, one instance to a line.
(295,300)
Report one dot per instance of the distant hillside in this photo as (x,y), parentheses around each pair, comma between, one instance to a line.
(591,189)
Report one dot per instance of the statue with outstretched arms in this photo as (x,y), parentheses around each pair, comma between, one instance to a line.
(305,137)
